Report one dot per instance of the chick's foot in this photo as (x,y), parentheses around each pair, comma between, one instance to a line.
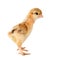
(23,51)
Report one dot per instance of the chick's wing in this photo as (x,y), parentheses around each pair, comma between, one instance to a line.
(20,28)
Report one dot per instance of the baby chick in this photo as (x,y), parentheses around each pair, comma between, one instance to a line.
(20,32)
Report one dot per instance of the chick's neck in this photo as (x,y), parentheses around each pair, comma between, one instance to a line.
(29,20)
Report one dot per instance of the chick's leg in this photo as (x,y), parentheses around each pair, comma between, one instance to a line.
(21,49)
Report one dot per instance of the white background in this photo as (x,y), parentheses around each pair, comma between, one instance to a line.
(44,41)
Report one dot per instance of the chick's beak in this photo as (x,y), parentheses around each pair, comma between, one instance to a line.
(40,16)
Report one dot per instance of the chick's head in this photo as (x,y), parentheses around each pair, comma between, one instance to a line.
(35,13)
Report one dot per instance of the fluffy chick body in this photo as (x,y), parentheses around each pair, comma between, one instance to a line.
(20,32)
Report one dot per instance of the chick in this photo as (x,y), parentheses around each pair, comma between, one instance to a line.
(20,32)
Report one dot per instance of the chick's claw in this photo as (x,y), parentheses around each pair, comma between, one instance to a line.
(23,49)
(23,53)
(26,54)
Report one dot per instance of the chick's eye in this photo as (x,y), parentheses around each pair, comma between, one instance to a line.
(36,13)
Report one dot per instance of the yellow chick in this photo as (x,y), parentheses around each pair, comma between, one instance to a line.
(20,32)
